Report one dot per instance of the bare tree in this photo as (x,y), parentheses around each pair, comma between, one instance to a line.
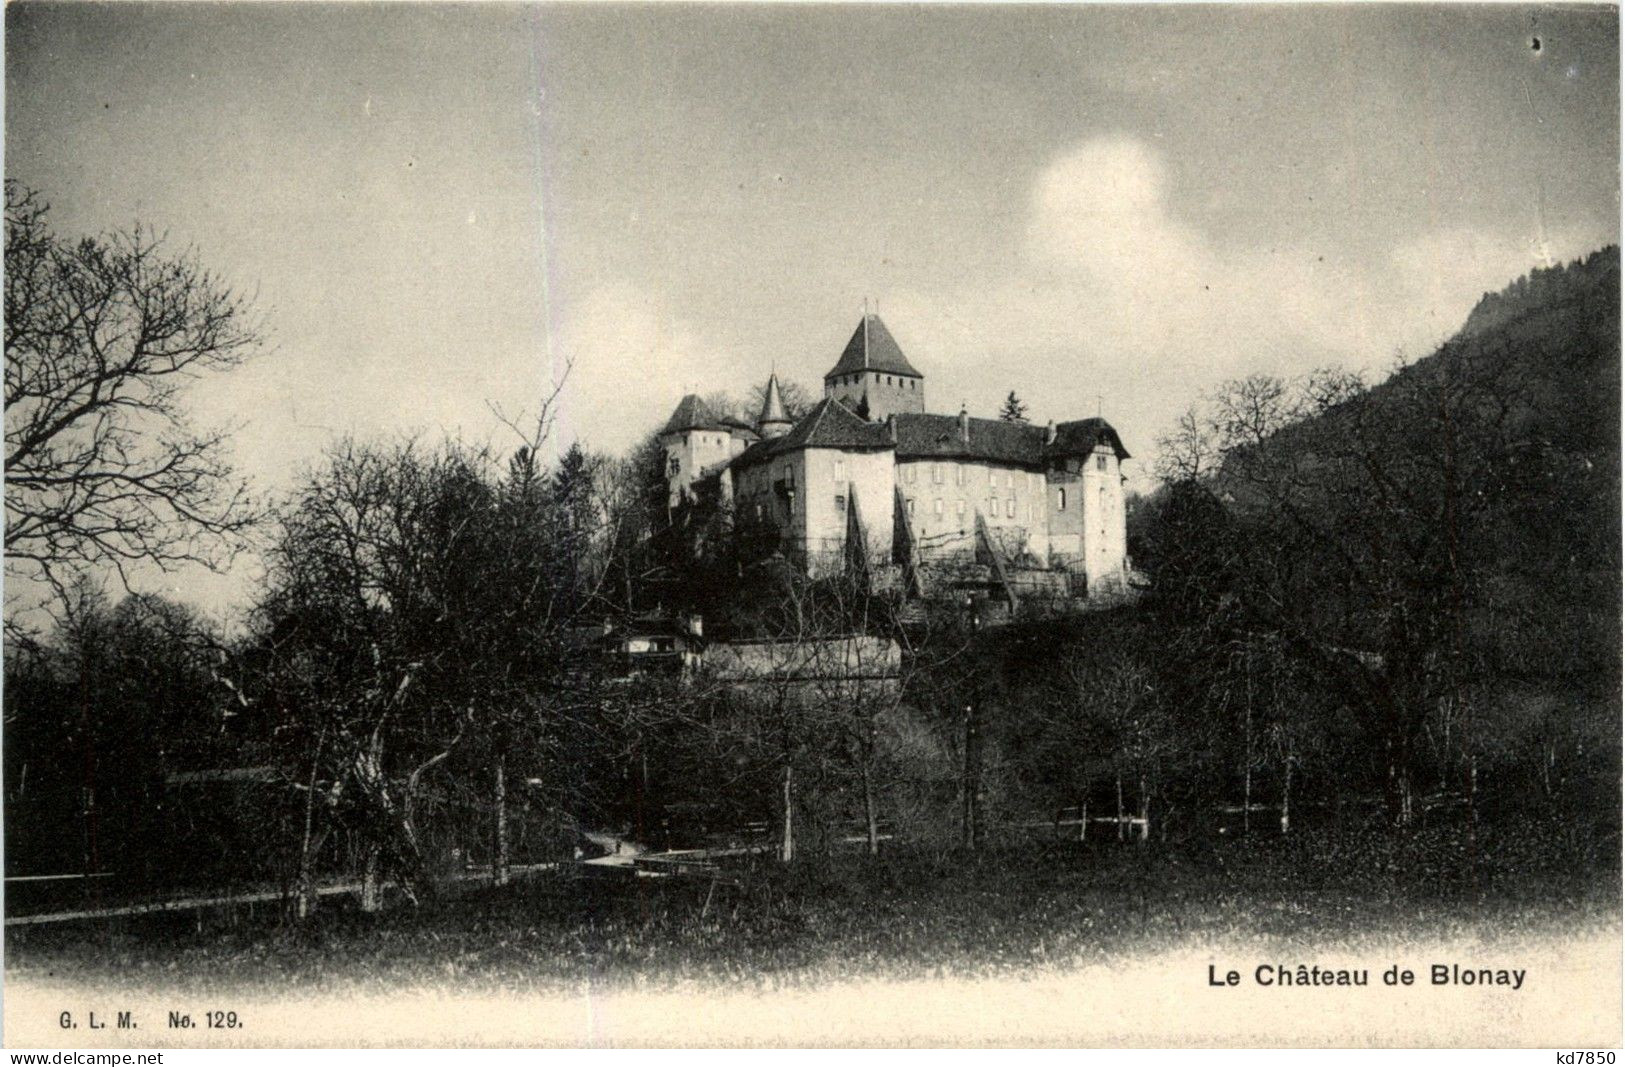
(857,671)
(103,467)
(1108,723)
(1191,450)
(359,576)
(1375,520)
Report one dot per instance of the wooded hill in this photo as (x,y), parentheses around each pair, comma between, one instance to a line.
(1486,474)
(1440,552)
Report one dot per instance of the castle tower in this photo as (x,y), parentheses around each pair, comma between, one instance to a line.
(772,422)
(696,443)
(873,377)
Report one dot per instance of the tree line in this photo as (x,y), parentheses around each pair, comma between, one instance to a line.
(1363,606)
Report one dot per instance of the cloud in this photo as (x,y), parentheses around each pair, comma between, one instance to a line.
(1120,304)
(1099,214)
(1101,223)
(630,357)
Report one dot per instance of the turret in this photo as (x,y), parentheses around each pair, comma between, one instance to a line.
(773,422)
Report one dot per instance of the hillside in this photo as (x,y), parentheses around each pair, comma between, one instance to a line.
(1488,470)
(1547,350)
(1595,276)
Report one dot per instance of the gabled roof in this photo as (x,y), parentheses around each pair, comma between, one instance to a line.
(832,425)
(829,425)
(872,348)
(692,413)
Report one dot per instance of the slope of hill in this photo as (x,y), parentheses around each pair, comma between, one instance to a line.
(1597,274)
(1488,471)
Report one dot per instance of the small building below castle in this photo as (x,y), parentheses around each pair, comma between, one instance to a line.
(870,472)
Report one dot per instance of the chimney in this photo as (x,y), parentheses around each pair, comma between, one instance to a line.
(964,426)
(1049,433)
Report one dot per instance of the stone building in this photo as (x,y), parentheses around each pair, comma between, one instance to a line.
(869,466)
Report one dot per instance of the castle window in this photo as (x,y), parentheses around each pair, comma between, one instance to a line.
(959,474)
(1010,508)
(839,474)
(959,508)
(1100,462)
(877,379)
(992,477)
(910,503)
(840,503)
(1060,499)
(936,473)
(674,467)
(937,507)
(993,507)
(1009,480)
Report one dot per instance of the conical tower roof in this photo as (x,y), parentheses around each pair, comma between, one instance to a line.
(772,405)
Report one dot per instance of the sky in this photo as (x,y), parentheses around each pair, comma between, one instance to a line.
(441,210)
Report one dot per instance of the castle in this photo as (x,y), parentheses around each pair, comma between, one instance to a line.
(868,469)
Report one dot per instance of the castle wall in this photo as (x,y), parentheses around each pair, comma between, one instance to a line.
(1104,522)
(772,493)
(693,454)
(805,495)
(946,494)
(1071,516)
(834,478)
(1064,507)
(827,664)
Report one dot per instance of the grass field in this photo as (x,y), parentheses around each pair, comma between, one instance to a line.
(902,916)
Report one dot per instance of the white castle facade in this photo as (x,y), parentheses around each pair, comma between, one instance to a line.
(869,469)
